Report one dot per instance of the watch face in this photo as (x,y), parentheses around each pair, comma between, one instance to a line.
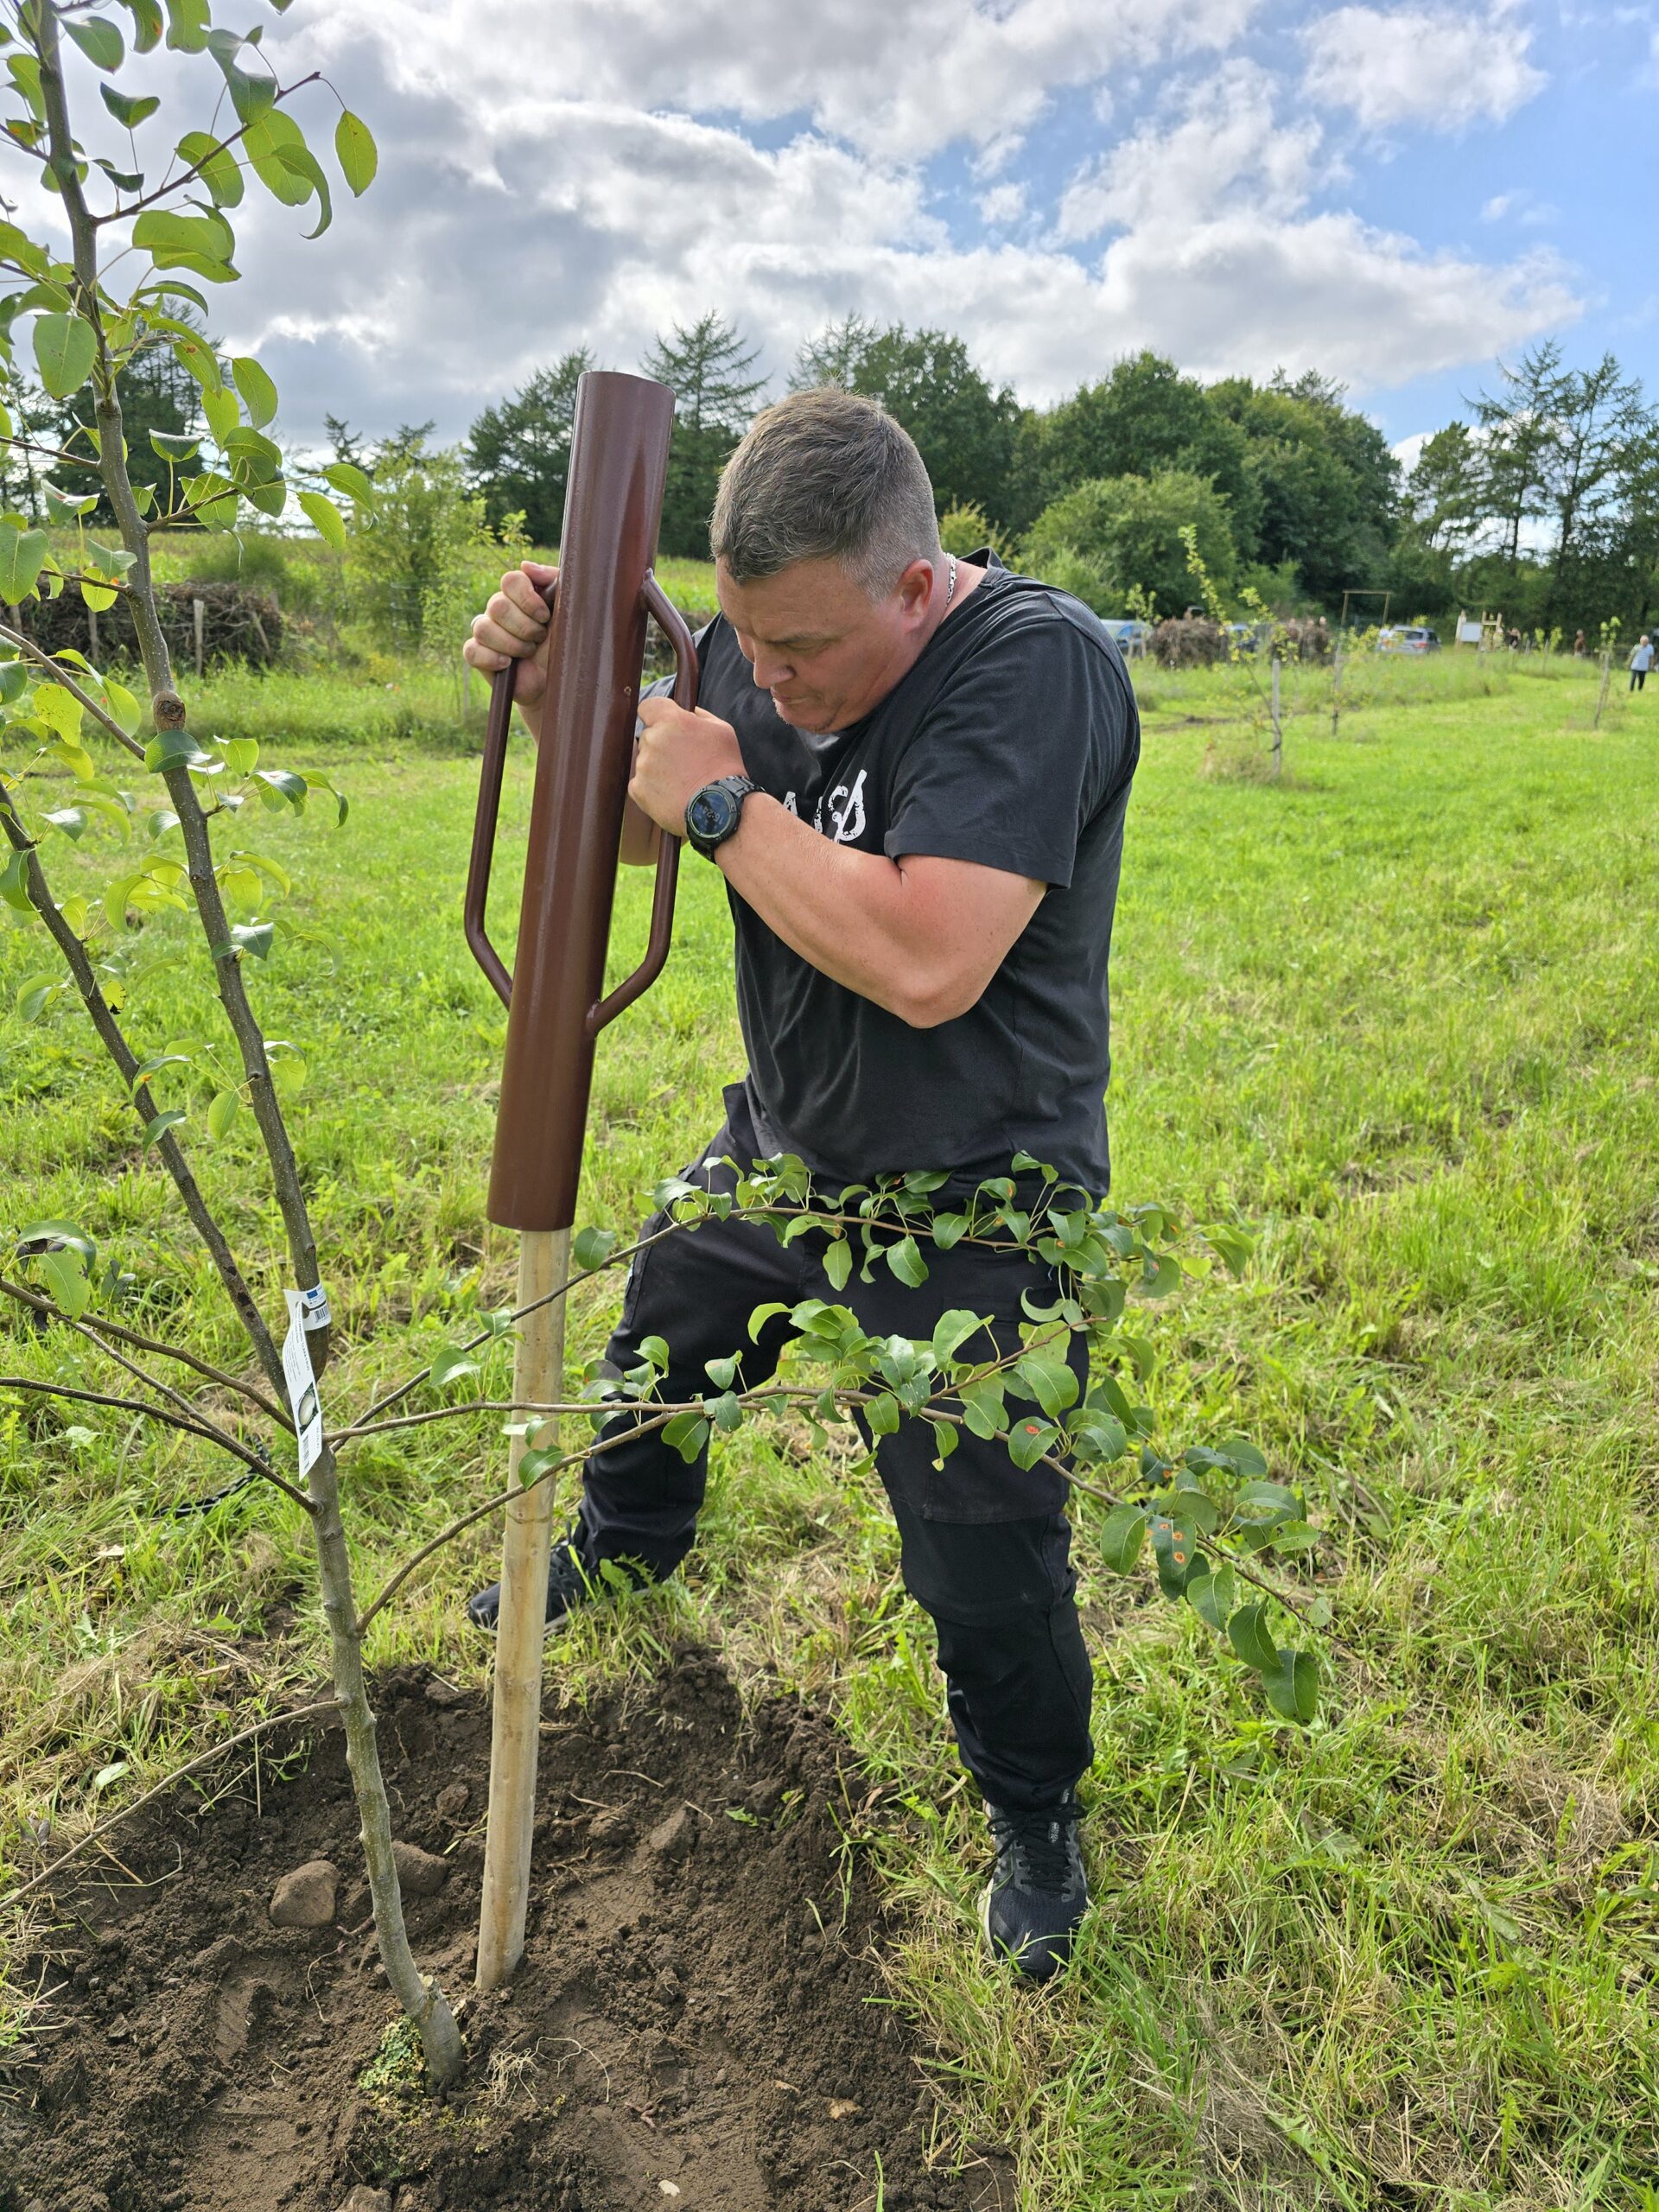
(711,813)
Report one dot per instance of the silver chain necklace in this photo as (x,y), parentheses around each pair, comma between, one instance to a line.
(951,586)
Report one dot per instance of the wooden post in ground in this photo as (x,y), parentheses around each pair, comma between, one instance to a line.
(1601,700)
(1335,686)
(537,1375)
(198,616)
(1278,733)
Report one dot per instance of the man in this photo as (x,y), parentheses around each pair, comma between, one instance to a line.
(912,771)
(1641,662)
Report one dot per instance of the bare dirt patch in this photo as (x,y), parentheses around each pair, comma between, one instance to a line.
(697,2023)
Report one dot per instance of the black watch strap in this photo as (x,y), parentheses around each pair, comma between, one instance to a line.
(713,813)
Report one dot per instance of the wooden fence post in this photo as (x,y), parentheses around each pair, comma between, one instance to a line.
(1278,733)
(1606,673)
(1335,686)
(198,616)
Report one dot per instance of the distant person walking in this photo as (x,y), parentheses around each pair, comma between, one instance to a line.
(1578,646)
(1641,662)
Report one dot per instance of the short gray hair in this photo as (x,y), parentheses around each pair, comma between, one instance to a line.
(825,475)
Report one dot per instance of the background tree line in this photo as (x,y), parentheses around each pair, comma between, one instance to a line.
(1544,506)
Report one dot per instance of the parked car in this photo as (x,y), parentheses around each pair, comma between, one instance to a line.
(1131,636)
(1243,637)
(1407,637)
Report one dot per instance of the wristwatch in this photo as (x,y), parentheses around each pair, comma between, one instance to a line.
(713,813)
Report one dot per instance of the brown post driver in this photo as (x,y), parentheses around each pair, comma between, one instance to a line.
(580,820)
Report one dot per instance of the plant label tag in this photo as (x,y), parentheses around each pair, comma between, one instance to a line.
(301,1384)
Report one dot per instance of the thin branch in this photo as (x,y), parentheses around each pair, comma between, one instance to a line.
(174,184)
(61,676)
(126,1061)
(53,453)
(209,1435)
(44,1305)
(192,1766)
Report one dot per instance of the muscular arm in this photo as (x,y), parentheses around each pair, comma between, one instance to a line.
(921,936)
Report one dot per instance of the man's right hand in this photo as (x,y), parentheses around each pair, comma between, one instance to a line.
(515,626)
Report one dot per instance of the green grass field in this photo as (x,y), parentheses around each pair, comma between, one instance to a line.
(1400,1012)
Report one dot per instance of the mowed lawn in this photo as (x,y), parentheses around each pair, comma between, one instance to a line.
(1400,1013)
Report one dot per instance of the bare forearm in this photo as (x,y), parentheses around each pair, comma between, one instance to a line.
(851,914)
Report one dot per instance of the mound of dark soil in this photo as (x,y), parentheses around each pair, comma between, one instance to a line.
(696,2026)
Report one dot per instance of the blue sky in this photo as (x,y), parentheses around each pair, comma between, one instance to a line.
(1393,193)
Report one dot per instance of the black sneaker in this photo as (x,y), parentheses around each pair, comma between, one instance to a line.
(1039,1892)
(569,1583)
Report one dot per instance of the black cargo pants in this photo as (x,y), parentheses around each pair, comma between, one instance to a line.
(985,1545)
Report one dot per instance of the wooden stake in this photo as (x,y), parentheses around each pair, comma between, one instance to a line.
(1278,734)
(1601,700)
(515,1735)
(198,616)
(1336,687)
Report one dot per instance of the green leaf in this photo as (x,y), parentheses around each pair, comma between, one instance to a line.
(215,164)
(838,1262)
(186,25)
(1121,1535)
(155,1062)
(14,681)
(952,1330)
(347,477)
(146,23)
(174,445)
(721,1372)
(99,41)
(1213,1596)
(154,1130)
(66,1278)
(223,416)
(258,393)
(761,1315)
(130,112)
(1175,1548)
(64,346)
(905,1260)
(1049,1380)
(354,149)
(14,883)
(22,555)
(449,1364)
(122,705)
(1292,1683)
(222,1111)
(686,1434)
(36,995)
(50,1237)
(1029,1439)
(1292,1536)
(174,748)
(726,1412)
(330,523)
(287,787)
(191,354)
(1247,1631)
(166,236)
(882,1414)
(240,754)
(591,1248)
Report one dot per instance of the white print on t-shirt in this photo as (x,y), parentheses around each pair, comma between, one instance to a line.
(846,811)
(790,806)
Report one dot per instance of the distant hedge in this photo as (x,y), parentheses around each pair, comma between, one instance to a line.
(237,623)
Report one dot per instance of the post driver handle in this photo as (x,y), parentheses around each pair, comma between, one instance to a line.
(491,771)
(673,623)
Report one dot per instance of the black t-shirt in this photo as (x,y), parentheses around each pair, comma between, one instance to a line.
(1012,741)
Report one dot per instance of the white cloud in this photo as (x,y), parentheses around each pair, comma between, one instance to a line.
(1498,207)
(899,81)
(509,225)
(1003,204)
(1436,66)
